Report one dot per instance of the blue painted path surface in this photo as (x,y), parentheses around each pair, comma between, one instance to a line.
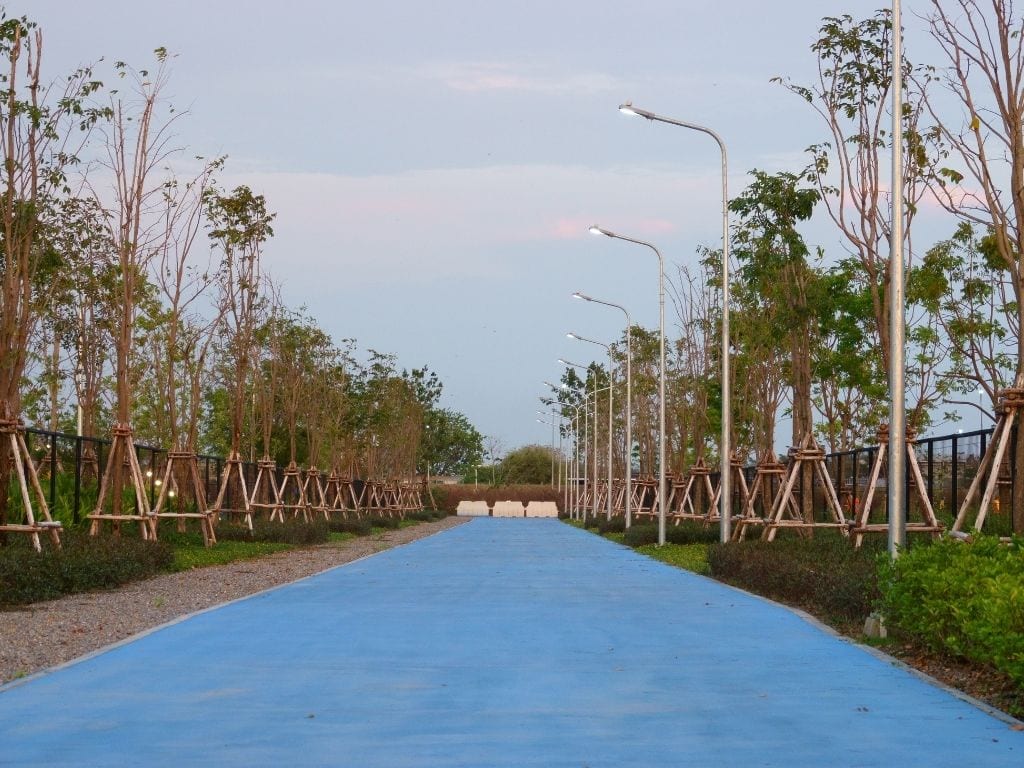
(496,643)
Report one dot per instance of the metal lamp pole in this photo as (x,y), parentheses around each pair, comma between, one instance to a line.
(726,447)
(629,400)
(661,381)
(897,411)
(611,381)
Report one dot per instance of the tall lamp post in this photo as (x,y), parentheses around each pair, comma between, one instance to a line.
(629,399)
(552,423)
(575,430)
(594,393)
(611,390)
(897,412)
(662,498)
(726,447)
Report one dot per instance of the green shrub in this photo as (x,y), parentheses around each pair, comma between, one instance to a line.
(426,515)
(824,575)
(960,598)
(359,527)
(392,523)
(296,532)
(83,563)
(687,532)
(615,525)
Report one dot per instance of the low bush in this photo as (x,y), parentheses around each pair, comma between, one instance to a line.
(824,575)
(687,532)
(359,527)
(427,515)
(83,563)
(296,532)
(615,525)
(449,496)
(392,523)
(960,598)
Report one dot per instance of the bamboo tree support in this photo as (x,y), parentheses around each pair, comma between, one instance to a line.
(645,497)
(184,462)
(741,492)
(13,432)
(392,499)
(334,494)
(928,524)
(265,493)
(698,475)
(769,479)
(1011,400)
(292,477)
(313,490)
(233,468)
(123,446)
(809,451)
(619,499)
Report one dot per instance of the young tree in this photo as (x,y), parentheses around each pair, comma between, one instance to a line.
(983,43)
(39,143)
(137,143)
(241,226)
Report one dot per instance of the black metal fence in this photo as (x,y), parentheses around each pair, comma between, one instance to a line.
(948,465)
(71,469)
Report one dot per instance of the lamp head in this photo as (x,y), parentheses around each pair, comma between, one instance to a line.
(571,335)
(627,109)
(583,296)
(596,230)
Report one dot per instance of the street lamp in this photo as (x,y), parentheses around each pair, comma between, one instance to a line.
(629,399)
(576,444)
(594,393)
(611,380)
(726,449)
(553,413)
(896,490)
(662,498)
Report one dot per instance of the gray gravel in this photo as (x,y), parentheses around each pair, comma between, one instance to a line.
(43,635)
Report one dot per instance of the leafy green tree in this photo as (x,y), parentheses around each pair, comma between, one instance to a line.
(529,465)
(451,444)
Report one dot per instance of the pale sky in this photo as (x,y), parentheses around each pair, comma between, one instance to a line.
(434,165)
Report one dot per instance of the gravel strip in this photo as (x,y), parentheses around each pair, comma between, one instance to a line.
(43,635)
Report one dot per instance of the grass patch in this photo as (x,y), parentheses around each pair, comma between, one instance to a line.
(338,537)
(296,532)
(195,555)
(692,557)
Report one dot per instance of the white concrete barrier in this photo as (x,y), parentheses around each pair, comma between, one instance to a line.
(509,509)
(542,509)
(472,509)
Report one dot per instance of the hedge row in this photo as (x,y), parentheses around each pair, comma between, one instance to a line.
(83,563)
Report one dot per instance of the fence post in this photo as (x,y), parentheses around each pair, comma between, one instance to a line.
(76,512)
(954,506)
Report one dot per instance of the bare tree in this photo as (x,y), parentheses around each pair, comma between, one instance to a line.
(137,143)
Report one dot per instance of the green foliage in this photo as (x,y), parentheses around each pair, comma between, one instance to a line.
(450,444)
(692,557)
(530,464)
(687,532)
(82,564)
(359,527)
(824,575)
(296,532)
(389,523)
(194,554)
(963,599)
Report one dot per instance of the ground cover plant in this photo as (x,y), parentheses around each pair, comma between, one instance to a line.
(82,564)
(824,575)
(965,599)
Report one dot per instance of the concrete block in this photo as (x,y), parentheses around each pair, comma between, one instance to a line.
(509,509)
(472,509)
(542,509)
